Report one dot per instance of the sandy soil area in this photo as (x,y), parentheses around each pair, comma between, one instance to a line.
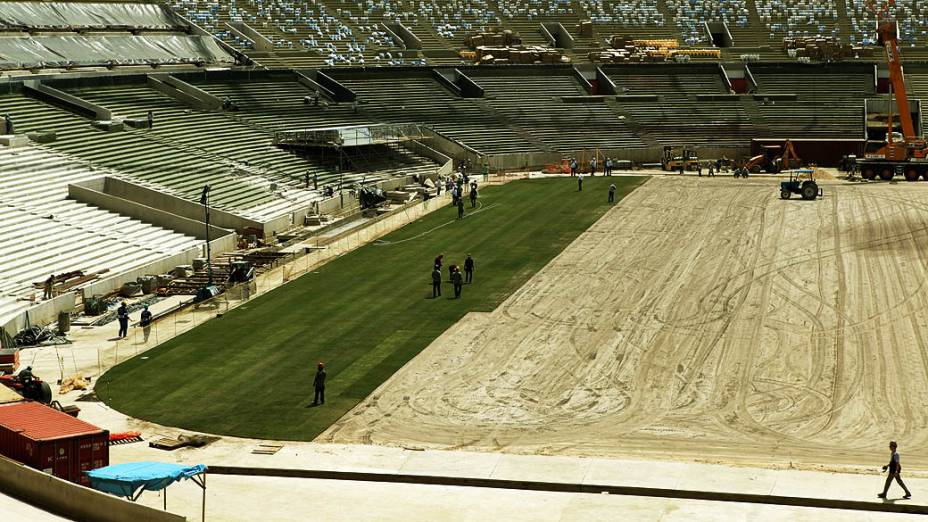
(699,319)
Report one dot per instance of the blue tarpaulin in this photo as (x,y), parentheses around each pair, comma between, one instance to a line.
(127,479)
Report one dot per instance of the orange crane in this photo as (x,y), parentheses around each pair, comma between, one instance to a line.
(909,155)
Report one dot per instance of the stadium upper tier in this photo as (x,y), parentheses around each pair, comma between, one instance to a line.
(366,32)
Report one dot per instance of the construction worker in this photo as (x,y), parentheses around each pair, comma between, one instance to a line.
(49,286)
(439,261)
(608,166)
(461,208)
(122,314)
(458,281)
(473,194)
(151,119)
(436,281)
(25,375)
(895,468)
(593,166)
(319,385)
(486,172)
(579,182)
(145,322)
(612,193)
(699,168)
(8,122)
(573,166)
(711,170)
(469,269)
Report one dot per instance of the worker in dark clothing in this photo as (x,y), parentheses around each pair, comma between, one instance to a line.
(593,167)
(573,167)
(473,194)
(895,468)
(451,270)
(49,286)
(25,375)
(579,182)
(469,269)
(436,282)
(612,193)
(460,208)
(151,119)
(145,322)
(315,181)
(122,314)
(439,261)
(699,168)
(8,122)
(458,281)
(319,385)
(711,170)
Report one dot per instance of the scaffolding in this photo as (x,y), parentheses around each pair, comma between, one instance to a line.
(350,136)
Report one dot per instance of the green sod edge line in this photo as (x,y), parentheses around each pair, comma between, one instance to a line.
(365,314)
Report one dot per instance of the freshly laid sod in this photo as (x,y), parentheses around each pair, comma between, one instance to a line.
(250,372)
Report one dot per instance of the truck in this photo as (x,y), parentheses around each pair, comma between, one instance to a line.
(906,154)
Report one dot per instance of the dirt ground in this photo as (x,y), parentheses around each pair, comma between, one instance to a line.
(702,320)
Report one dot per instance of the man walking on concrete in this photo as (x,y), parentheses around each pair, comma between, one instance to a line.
(319,385)
(579,182)
(49,286)
(122,314)
(458,281)
(612,193)
(436,281)
(895,468)
(469,269)
(145,322)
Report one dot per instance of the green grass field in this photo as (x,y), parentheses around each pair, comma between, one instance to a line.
(249,373)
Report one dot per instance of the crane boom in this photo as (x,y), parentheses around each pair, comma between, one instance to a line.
(888,35)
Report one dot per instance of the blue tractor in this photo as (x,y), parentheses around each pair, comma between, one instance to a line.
(806,188)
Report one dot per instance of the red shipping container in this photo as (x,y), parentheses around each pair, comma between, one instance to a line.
(51,441)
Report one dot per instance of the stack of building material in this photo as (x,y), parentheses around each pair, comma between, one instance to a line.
(527,55)
(494,37)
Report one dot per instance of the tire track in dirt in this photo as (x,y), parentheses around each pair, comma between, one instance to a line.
(722,323)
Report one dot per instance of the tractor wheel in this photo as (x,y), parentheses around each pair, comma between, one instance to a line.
(785,194)
(755,169)
(911,174)
(868,173)
(809,190)
(887,174)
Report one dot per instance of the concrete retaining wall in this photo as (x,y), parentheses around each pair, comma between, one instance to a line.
(71,500)
(175,205)
(92,193)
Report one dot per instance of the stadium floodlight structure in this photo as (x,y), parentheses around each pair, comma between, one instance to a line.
(204,200)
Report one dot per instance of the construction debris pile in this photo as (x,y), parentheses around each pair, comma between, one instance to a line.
(505,47)
(628,50)
(824,48)
(493,38)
